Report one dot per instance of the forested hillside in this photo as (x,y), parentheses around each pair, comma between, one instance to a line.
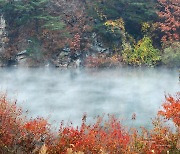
(101,33)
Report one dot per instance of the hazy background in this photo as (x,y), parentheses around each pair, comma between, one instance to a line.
(68,94)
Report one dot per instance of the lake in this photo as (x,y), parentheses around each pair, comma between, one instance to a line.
(68,94)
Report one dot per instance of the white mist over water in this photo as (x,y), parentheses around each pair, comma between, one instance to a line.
(68,94)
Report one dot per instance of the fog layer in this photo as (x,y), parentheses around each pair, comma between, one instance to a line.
(68,94)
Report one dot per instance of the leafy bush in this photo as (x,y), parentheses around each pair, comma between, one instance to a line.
(16,134)
(171,56)
(106,136)
(143,53)
(169,20)
(172,109)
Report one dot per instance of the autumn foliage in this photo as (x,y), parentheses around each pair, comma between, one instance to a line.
(172,109)
(170,19)
(17,134)
(20,135)
(93,138)
(103,61)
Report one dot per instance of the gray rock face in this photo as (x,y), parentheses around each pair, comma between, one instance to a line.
(21,58)
(78,63)
(97,46)
(62,60)
(3,38)
(1,64)
(22,61)
(66,49)
(24,52)
(63,54)
(99,49)
(65,59)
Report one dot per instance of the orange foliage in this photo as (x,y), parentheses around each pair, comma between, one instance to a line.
(38,127)
(108,136)
(17,135)
(10,122)
(75,43)
(161,137)
(172,109)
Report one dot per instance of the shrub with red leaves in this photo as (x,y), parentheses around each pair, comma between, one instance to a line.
(170,19)
(172,109)
(17,135)
(10,125)
(108,136)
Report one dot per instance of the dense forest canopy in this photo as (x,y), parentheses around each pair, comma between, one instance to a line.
(98,33)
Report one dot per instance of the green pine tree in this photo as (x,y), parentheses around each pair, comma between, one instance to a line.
(23,12)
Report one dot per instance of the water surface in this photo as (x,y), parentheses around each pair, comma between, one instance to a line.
(68,94)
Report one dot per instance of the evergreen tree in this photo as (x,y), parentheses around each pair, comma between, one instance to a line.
(23,12)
